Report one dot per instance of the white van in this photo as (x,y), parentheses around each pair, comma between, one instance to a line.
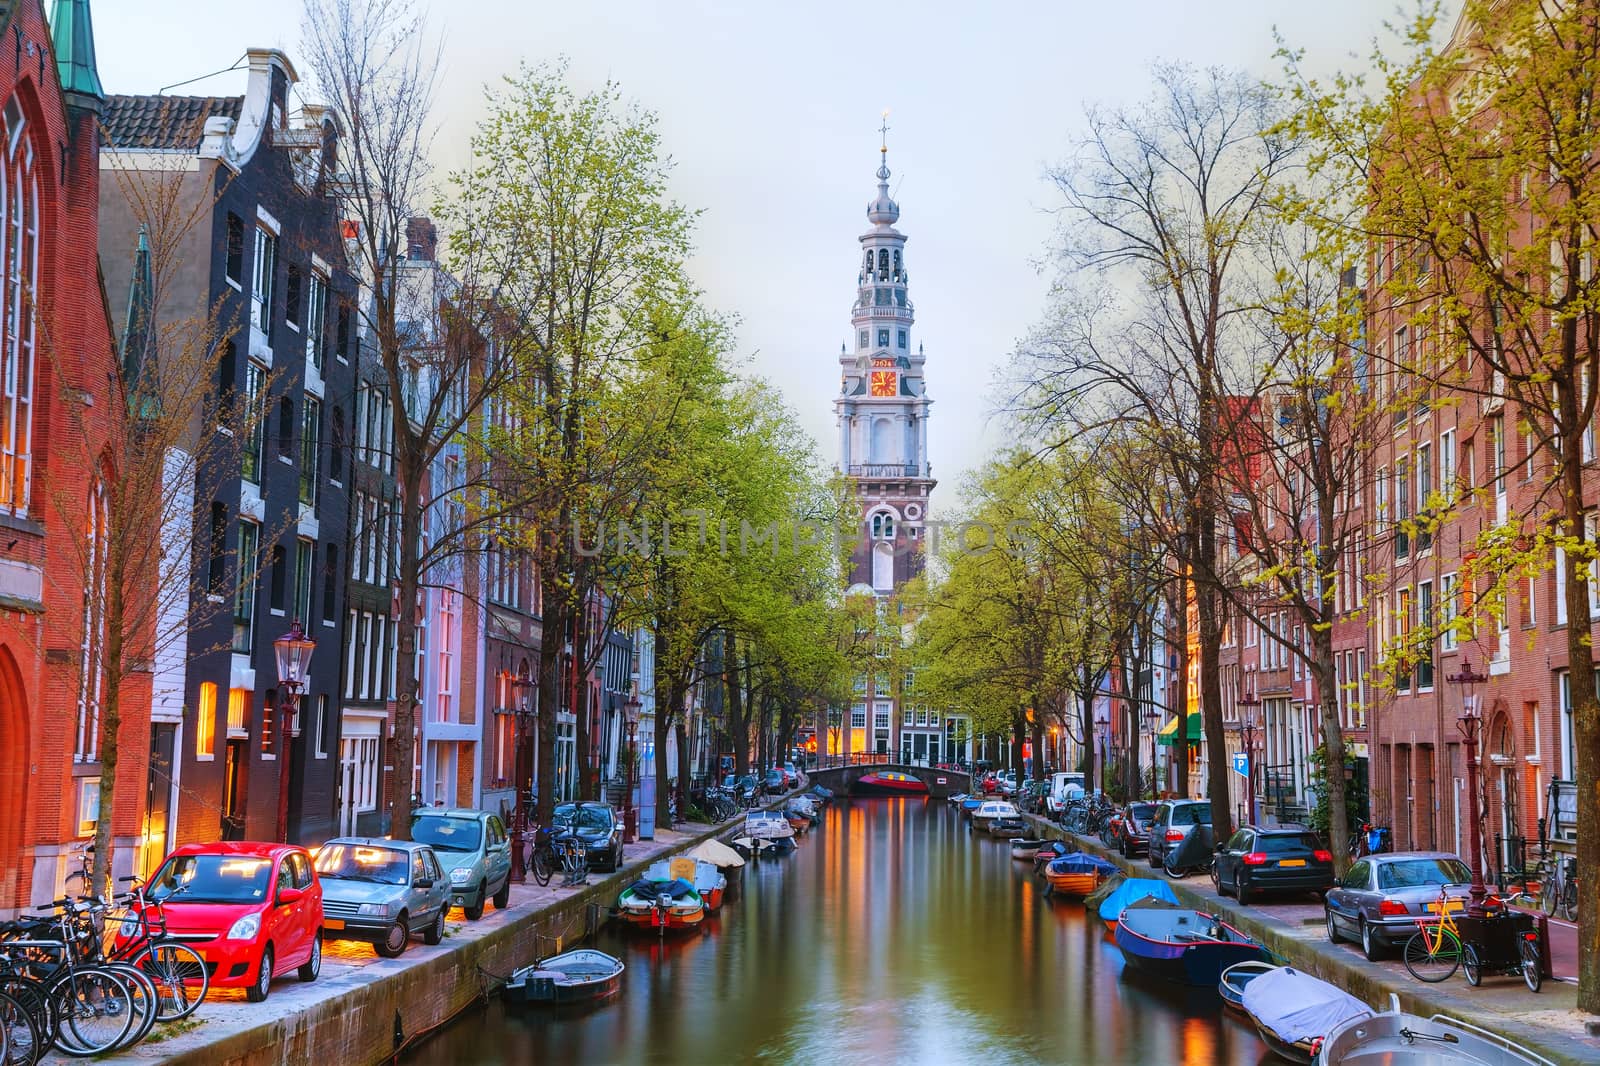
(1064,788)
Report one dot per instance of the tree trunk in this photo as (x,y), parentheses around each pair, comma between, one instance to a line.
(1019,734)
(1179,754)
(1086,723)
(1322,668)
(733,705)
(1208,604)
(555,624)
(402,744)
(663,726)
(110,714)
(582,712)
(685,764)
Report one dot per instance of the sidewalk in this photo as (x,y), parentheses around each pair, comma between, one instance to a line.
(1547,1022)
(362,1007)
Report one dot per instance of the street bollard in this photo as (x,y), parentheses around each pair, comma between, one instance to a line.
(1542,923)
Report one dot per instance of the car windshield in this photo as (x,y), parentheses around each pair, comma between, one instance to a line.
(212,879)
(1287,843)
(1413,873)
(1192,814)
(446,833)
(571,817)
(360,862)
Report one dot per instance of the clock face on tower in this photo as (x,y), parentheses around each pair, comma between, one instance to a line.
(883,383)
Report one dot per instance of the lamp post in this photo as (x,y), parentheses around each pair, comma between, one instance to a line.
(520,687)
(1150,719)
(1247,731)
(630,816)
(1469,723)
(293,651)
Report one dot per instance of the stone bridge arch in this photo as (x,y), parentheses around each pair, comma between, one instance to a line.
(841,779)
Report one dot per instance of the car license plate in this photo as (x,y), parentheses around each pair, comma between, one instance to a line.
(1450,908)
(1291,862)
(333,923)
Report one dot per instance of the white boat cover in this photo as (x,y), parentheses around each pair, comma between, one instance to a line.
(716,853)
(1297,1006)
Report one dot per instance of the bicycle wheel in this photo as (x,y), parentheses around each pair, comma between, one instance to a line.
(146,999)
(35,999)
(19,1033)
(1532,964)
(181,978)
(1436,963)
(1469,963)
(1547,893)
(1569,900)
(543,870)
(95,1009)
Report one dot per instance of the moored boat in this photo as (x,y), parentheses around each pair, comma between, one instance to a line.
(990,810)
(1077,874)
(1395,1038)
(670,904)
(889,783)
(1007,828)
(766,830)
(1234,979)
(572,977)
(970,805)
(1048,852)
(820,794)
(708,881)
(1184,946)
(1294,1012)
(1131,891)
(1026,847)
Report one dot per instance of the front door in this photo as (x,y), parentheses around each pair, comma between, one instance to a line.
(158,798)
(347,786)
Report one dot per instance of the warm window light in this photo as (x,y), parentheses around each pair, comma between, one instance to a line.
(238,701)
(205,735)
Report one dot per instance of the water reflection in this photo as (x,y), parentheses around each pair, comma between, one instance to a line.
(894,935)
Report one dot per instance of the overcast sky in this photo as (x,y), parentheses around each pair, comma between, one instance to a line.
(771,112)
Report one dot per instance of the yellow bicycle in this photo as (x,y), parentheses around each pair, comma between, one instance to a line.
(1434,951)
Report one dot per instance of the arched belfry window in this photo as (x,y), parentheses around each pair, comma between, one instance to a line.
(883,264)
(19,230)
(882,526)
(897,263)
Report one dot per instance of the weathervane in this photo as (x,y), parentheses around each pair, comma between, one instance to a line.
(883,133)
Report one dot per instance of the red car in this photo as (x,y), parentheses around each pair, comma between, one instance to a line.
(253,911)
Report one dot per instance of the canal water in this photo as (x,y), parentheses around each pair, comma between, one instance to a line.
(893,934)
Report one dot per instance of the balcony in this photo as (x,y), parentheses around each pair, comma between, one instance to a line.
(883,470)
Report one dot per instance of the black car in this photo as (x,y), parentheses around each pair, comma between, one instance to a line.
(1133,828)
(1262,860)
(773,781)
(596,827)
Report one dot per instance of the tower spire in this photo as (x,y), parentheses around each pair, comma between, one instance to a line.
(72,37)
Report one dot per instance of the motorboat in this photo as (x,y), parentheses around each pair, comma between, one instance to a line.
(803,806)
(1007,828)
(579,976)
(766,830)
(1131,891)
(970,805)
(1077,873)
(1294,1012)
(708,881)
(1024,848)
(955,798)
(1235,978)
(820,794)
(990,810)
(889,783)
(1181,945)
(1395,1038)
(717,854)
(1048,852)
(670,904)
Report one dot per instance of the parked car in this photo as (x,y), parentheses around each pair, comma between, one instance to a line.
(1032,796)
(1261,860)
(253,911)
(1064,788)
(791,772)
(772,781)
(744,788)
(1174,823)
(475,852)
(382,892)
(1380,898)
(597,828)
(1133,829)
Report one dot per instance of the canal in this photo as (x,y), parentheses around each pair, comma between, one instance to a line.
(891,935)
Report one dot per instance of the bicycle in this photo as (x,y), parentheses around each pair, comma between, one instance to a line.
(574,861)
(1558,890)
(1433,953)
(1371,840)
(179,972)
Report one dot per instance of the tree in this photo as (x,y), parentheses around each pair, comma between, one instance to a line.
(1469,174)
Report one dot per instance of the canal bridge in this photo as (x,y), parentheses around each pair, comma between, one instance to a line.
(840,772)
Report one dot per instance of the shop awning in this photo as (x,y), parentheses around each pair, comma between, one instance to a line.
(1170,731)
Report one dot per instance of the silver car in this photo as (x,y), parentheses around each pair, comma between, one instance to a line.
(1377,904)
(475,850)
(382,891)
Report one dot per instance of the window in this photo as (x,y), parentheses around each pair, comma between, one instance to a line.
(286,429)
(218,549)
(304,553)
(19,219)
(1402,507)
(291,296)
(900,337)
(341,339)
(319,737)
(91,660)
(235,261)
(330,584)
(269,736)
(1447,615)
(205,725)
(255,398)
(316,316)
(1447,462)
(858,717)
(1497,454)
(280,579)
(238,713)
(310,446)
(880,716)
(862,337)
(1425,633)
(1402,624)
(88,805)
(266,262)
(883,338)
(244,588)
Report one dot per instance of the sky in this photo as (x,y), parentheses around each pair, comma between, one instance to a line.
(771,114)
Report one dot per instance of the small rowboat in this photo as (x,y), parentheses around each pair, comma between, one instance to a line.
(1186,947)
(1077,874)
(572,977)
(1294,1012)
(1048,852)
(1395,1038)
(1026,847)
(1234,979)
(1129,892)
(889,784)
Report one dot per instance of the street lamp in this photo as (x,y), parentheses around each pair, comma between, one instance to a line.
(1469,723)
(293,651)
(630,817)
(1247,730)
(520,687)
(1150,719)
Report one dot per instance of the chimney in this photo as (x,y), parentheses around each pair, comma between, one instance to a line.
(422,239)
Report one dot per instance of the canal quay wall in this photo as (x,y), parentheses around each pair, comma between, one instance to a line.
(364,1009)
(1498,1005)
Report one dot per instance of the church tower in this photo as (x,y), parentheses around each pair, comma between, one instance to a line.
(882,407)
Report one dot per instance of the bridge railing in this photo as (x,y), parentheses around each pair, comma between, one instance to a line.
(873,758)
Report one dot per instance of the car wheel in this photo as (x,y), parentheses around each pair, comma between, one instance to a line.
(313,966)
(395,939)
(435,932)
(258,991)
(474,911)
(502,898)
(1370,945)
(1150,857)
(1333,925)
(1216,880)
(1240,891)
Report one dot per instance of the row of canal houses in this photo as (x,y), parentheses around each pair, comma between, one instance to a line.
(207,748)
